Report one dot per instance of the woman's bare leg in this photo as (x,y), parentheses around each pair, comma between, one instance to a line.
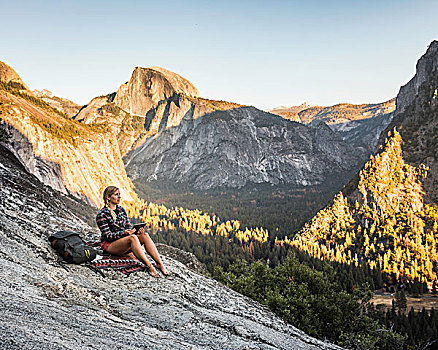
(132,243)
(152,250)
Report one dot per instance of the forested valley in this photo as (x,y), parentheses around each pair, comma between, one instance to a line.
(255,205)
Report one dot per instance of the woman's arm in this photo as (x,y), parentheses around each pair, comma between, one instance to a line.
(107,234)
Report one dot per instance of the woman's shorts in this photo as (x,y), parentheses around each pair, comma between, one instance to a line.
(105,245)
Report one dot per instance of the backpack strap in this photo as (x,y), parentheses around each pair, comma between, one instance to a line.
(62,262)
(95,269)
(62,234)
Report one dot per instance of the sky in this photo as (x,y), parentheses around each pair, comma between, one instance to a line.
(260,53)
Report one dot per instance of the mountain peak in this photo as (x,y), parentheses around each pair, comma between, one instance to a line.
(179,83)
(426,68)
(434,43)
(43,93)
(8,74)
(148,86)
(306,104)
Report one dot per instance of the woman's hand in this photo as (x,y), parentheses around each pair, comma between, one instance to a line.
(141,231)
(130,232)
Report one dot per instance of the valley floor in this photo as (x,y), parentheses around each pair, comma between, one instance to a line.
(427,301)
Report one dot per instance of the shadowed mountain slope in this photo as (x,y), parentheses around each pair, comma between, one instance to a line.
(239,146)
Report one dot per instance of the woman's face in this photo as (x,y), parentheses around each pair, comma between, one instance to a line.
(115,197)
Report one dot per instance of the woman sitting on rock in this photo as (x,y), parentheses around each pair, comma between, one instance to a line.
(118,236)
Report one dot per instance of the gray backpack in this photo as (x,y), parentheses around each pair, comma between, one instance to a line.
(71,247)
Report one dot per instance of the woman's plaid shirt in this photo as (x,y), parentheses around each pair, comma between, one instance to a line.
(112,229)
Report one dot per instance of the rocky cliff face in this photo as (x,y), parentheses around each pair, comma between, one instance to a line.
(95,112)
(102,111)
(239,146)
(45,306)
(426,67)
(416,118)
(171,112)
(148,86)
(363,133)
(63,154)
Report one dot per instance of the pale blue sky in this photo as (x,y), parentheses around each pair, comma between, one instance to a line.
(261,53)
